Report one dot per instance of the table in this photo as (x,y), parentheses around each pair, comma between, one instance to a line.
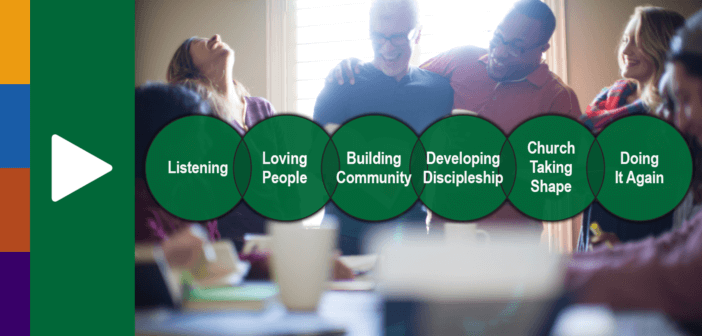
(339,313)
(354,313)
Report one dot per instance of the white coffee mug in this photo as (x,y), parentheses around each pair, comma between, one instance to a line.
(301,261)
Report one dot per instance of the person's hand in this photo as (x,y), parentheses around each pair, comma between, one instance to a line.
(606,238)
(188,248)
(348,66)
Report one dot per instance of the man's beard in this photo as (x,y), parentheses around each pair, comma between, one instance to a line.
(696,151)
(512,72)
(491,74)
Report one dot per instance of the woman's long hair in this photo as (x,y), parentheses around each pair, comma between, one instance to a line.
(182,70)
(655,26)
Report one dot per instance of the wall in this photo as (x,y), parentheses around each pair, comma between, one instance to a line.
(593,31)
(162,25)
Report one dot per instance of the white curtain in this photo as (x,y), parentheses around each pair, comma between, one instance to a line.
(560,236)
(556,56)
(280,55)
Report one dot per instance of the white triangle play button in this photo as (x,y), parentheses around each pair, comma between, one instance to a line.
(72,168)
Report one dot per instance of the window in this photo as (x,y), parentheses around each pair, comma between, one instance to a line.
(331,30)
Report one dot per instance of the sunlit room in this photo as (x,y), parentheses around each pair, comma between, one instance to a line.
(514,255)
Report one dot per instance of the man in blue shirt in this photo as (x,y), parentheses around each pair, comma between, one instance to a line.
(390,86)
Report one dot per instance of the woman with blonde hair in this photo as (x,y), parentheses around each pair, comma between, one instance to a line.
(641,56)
(206,66)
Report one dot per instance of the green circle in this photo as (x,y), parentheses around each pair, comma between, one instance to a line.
(550,185)
(385,138)
(208,145)
(285,156)
(461,161)
(623,192)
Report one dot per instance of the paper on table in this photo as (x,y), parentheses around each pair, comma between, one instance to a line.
(225,270)
(251,296)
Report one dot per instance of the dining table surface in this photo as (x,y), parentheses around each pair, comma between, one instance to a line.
(340,312)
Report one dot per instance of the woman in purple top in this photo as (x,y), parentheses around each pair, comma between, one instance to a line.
(206,66)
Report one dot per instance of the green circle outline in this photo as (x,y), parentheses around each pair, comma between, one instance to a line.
(692,167)
(331,139)
(506,141)
(146,180)
(251,165)
(517,166)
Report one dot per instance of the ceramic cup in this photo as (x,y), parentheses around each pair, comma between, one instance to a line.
(302,261)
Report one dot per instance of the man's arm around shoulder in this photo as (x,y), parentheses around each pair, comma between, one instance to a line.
(330,103)
(445,62)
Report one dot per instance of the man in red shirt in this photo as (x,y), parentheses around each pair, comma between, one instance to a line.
(506,84)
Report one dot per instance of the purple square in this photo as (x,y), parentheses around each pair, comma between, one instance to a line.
(14,300)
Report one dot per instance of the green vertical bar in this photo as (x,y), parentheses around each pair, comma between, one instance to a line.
(82,88)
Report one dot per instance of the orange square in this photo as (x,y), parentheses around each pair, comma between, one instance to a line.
(14,25)
(14,210)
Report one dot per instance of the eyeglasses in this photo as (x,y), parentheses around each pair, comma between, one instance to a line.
(512,49)
(397,40)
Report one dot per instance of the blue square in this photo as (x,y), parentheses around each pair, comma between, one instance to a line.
(14,126)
